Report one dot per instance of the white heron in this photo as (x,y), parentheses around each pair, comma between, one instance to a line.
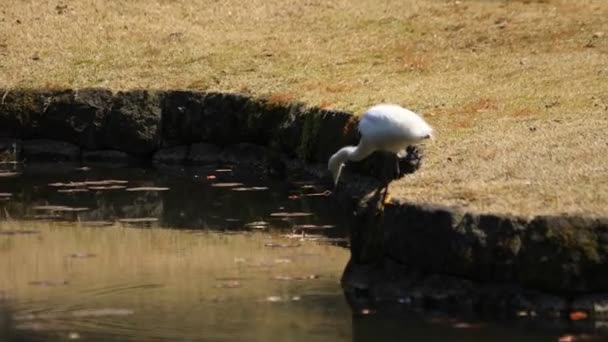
(384,127)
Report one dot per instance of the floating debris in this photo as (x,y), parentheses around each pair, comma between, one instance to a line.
(102,312)
(96,223)
(313,226)
(83,168)
(50,216)
(278,299)
(5,194)
(223,170)
(107,187)
(288,278)
(292,214)
(253,188)
(314,194)
(68,185)
(230,219)
(240,260)
(148,188)
(281,245)
(230,284)
(282,261)
(82,255)
(60,208)
(73,190)
(235,278)
(18,232)
(107,182)
(257,225)
(48,283)
(73,335)
(225,185)
(139,220)
(211,177)
(274,299)
(578,315)
(8,174)
(466,325)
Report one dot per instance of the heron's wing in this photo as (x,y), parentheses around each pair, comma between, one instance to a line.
(392,122)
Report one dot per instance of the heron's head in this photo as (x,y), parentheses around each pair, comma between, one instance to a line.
(335,165)
(335,168)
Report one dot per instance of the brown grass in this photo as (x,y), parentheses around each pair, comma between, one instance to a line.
(515,89)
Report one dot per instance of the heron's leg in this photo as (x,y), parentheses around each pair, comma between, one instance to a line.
(397,169)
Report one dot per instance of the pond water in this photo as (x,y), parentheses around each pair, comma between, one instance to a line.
(199,258)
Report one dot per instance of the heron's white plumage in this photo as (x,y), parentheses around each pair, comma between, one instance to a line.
(384,127)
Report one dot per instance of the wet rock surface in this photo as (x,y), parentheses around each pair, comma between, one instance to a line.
(134,122)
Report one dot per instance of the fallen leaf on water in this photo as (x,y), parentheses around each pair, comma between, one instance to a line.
(256,225)
(314,226)
(106,182)
(102,312)
(253,188)
(139,220)
(18,232)
(96,223)
(231,284)
(60,208)
(292,214)
(281,245)
(465,325)
(48,283)
(73,190)
(148,188)
(107,187)
(8,174)
(274,299)
(225,185)
(282,261)
(578,315)
(82,255)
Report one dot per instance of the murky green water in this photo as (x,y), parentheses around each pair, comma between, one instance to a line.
(238,269)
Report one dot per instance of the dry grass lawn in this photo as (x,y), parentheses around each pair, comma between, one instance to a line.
(517,90)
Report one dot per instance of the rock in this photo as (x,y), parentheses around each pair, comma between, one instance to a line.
(245,154)
(323,132)
(10,150)
(558,254)
(134,122)
(182,115)
(75,116)
(263,119)
(50,150)
(203,153)
(111,156)
(16,108)
(171,155)
(220,118)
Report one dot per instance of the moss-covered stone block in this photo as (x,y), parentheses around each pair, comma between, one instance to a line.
(134,123)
